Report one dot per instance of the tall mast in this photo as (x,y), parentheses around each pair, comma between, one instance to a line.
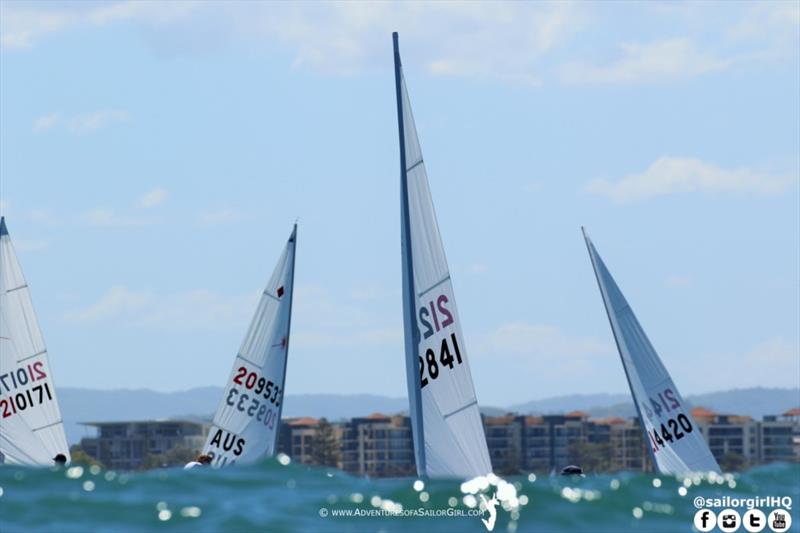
(409,301)
(293,240)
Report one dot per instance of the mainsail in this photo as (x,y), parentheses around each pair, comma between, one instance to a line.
(677,446)
(31,429)
(449,440)
(246,424)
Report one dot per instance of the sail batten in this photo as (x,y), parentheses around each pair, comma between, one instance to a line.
(671,435)
(449,439)
(31,427)
(247,422)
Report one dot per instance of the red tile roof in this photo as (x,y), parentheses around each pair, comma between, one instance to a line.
(611,421)
(577,414)
(499,420)
(702,412)
(304,421)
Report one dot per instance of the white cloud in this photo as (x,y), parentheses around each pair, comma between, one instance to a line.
(774,362)
(674,175)
(654,62)
(153,198)
(21,28)
(108,217)
(539,359)
(25,245)
(46,122)
(98,119)
(23,24)
(368,293)
(200,308)
(115,303)
(534,186)
(771,20)
(511,42)
(478,268)
(83,123)
(484,40)
(215,218)
(540,342)
(322,319)
(675,281)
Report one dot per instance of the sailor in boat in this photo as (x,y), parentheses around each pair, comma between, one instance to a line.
(60,459)
(572,470)
(202,460)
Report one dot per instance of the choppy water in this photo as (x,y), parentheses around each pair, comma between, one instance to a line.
(272,496)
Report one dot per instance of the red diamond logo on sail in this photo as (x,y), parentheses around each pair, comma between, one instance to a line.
(280,291)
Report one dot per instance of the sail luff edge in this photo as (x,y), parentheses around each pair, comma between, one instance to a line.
(409,300)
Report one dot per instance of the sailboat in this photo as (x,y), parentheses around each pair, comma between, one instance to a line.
(449,439)
(246,424)
(674,439)
(31,428)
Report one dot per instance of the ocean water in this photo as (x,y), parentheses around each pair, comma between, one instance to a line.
(273,496)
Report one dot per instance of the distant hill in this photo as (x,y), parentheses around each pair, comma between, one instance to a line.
(572,402)
(88,405)
(755,402)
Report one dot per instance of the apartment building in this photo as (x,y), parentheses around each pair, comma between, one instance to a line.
(126,445)
(378,446)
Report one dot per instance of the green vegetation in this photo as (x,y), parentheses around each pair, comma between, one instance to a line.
(592,456)
(325,445)
(177,456)
(80,457)
(732,462)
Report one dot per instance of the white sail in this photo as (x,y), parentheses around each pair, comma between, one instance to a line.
(449,439)
(677,446)
(246,424)
(31,429)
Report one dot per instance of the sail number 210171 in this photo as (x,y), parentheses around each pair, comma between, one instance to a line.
(19,378)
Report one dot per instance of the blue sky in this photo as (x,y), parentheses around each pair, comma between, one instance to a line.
(153,158)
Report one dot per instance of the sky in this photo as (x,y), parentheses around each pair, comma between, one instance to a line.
(154,156)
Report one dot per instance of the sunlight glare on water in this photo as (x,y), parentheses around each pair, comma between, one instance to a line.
(237,499)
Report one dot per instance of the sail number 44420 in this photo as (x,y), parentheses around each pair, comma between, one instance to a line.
(674,428)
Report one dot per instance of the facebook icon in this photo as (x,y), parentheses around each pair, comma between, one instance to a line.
(705,520)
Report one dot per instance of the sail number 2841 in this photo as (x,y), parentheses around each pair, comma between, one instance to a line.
(434,316)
